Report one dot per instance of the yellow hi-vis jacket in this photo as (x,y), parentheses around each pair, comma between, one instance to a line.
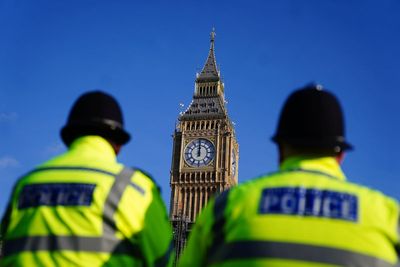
(84,209)
(304,215)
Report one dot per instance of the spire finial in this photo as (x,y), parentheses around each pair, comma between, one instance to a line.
(210,71)
(212,35)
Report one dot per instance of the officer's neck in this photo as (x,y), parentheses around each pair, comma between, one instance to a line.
(116,147)
(287,151)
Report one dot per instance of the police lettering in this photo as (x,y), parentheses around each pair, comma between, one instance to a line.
(56,194)
(309,202)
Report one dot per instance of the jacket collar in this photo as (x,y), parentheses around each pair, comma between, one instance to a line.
(95,146)
(326,165)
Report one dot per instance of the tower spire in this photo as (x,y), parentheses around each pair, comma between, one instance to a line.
(210,71)
(212,38)
(205,152)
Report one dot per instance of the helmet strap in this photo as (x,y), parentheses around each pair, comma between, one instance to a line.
(340,157)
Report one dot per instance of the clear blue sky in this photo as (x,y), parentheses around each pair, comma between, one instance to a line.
(146,54)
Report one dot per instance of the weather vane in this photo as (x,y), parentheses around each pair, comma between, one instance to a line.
(212,35)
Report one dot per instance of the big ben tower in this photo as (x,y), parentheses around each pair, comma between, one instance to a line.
(205,150)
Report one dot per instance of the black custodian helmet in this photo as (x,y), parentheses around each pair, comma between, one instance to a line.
(312,117)
(95,113)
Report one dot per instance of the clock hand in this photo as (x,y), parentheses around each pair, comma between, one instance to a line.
(198,150)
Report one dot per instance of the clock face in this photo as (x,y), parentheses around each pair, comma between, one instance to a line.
(233,163)
(199,152)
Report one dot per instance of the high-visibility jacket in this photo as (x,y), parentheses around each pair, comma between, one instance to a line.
(83,208)
(306,214)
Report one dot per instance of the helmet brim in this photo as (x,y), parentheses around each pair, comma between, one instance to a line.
(318,143)
(72,131)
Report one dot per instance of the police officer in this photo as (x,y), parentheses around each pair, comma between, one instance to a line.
(83,208)
(305,214)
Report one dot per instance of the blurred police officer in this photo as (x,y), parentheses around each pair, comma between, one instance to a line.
(305,214)
(83,208)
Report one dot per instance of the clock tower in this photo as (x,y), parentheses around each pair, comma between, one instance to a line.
(205,151)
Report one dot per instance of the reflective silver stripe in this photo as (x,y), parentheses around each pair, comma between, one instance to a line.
(245,250)
(122,180)
(71,243)
(105,243)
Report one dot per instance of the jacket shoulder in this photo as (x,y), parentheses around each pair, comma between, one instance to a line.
(372,194)
(146,175)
